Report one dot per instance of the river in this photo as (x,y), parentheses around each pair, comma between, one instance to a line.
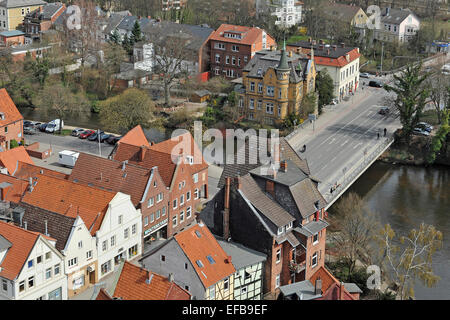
(405,196)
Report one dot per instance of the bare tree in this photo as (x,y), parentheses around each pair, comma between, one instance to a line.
(410,257)
(439,93)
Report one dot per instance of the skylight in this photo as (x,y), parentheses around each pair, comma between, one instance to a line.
(199,263)
(198,233)
(210,259)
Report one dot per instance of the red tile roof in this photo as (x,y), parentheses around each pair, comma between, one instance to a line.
(8,108)
(10,158)
(108,174)
(14,192)
(198,248)
(22,243)
(132,285)
(27,170)
(135,137)
(71,199)
(330,285)
(250,36)
(103,295)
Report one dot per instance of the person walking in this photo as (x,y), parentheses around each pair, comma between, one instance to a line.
(385,131)
(378,135)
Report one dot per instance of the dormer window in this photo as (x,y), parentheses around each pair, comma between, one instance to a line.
(280,230)
(289,226)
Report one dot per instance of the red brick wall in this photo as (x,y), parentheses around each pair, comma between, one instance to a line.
(244,51)
(313,248)
(14,132)
(13,40)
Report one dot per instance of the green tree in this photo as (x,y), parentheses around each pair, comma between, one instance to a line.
(114,56)
(115,37)
(411,95)
(308,105)
(441,135)
(57,100)
(127,45)
(136,34)
(126,110)
(410,257)
(325,88)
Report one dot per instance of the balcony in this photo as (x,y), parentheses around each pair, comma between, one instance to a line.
(295,267)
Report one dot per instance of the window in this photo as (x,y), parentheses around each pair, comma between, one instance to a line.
(239,61)
(195,178)
(113,241)
(39,259)
(315,238)
(314,260)
(175,203)
(133,251)
(154,184)
(152,217)
(181,216)
(125,233)
(185,266)
(151,202)
(196,194)
(163,211)
(252,104)
(212,293)
(259,105)
(235,48)
(244,290)
(252,86)
(174,221)
(247,276)
(245,59)
(146,221)
(278,259)
(188,196)
(226,284)
(233,60)
(289,226)
(186,288)
(219,46)
(4,285)
(260,88)
(163,258)
(30,263)
(80,244)
(159,197)
(104,245)
(21,286)
(31,282)
(270,91)
(57,268)
(277,281)
(133,229)
(106,267)
(227,59)
(89,254)
(120,219)
(269,108)
(188,212)
(181,199)
(73,262)
(48,273)
(48,255)
(158,214)
(280,230)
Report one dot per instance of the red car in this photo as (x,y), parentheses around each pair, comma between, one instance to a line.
(86,134)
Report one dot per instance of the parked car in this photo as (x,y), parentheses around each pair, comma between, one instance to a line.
(104,137)
(76,132)
(375,83)
(42,127)
(384,111)
(29,130)
(68,158)
(51,128)
(37,125)
(54,125)
(95,136)
(364,75)
(28,123)
(86,134)
(420,131)
(425,126)
(111,138)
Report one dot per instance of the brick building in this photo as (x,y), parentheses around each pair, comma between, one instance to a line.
(42,19)
(11,121)
(12,38)
(232,47)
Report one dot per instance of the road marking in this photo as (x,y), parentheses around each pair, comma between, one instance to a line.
(332,141)
(344,142)
(356,146)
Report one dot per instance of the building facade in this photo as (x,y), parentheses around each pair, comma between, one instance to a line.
(12,12)
(397,25)
(274,85)
(11,121)
(232,47)
(287,12)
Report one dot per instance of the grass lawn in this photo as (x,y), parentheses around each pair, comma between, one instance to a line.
(430,117)
(297,38)
(64,132)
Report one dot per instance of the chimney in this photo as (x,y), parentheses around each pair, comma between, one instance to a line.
(238,183)
(283,166)
(226,211)
(342,44)
(25,225)
(270,187)
(46,227)
(4,190)
(321,41)
(341,291)
(30,182)
(124,164)
(142,153)
(388,11)
(299,50)
(318,287)
(228,260)
(149,279)
(328,52)
(171,278)
(290,54)
(314,42)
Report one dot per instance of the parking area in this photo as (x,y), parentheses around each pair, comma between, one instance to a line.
(60,143)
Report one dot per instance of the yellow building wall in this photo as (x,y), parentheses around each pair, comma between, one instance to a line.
(360,18)
(220,293)
(15,16)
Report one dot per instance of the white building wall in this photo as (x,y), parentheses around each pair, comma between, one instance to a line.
(251,288)
(120,205)
(42,286)
(4,25)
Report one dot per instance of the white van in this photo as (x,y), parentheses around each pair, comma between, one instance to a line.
(68,158)
(53,126)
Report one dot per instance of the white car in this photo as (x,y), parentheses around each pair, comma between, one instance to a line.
(420,131)
(53,126)
(364,75)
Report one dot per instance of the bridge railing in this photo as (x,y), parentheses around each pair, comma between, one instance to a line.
(357,169)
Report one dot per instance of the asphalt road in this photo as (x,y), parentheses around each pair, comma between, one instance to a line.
(337,146)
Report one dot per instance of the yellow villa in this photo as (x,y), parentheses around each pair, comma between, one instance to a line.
(12,12)
(273,85)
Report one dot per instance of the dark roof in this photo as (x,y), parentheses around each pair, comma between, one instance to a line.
(20,3)
(241,256)
(112,22)
(127,23)
(303,289)
(247,159)
(292,176)
(305,194)
(59,226)
(324,50)
(47,12)
(266,59)
(340,11)
(108,174)
(395,16)
(311,228)
(263,204)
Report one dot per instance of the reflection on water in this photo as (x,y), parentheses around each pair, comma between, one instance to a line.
(406,196)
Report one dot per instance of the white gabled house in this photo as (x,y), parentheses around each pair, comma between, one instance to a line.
(31,268)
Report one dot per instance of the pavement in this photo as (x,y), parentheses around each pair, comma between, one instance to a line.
(344,134)
(60,143)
